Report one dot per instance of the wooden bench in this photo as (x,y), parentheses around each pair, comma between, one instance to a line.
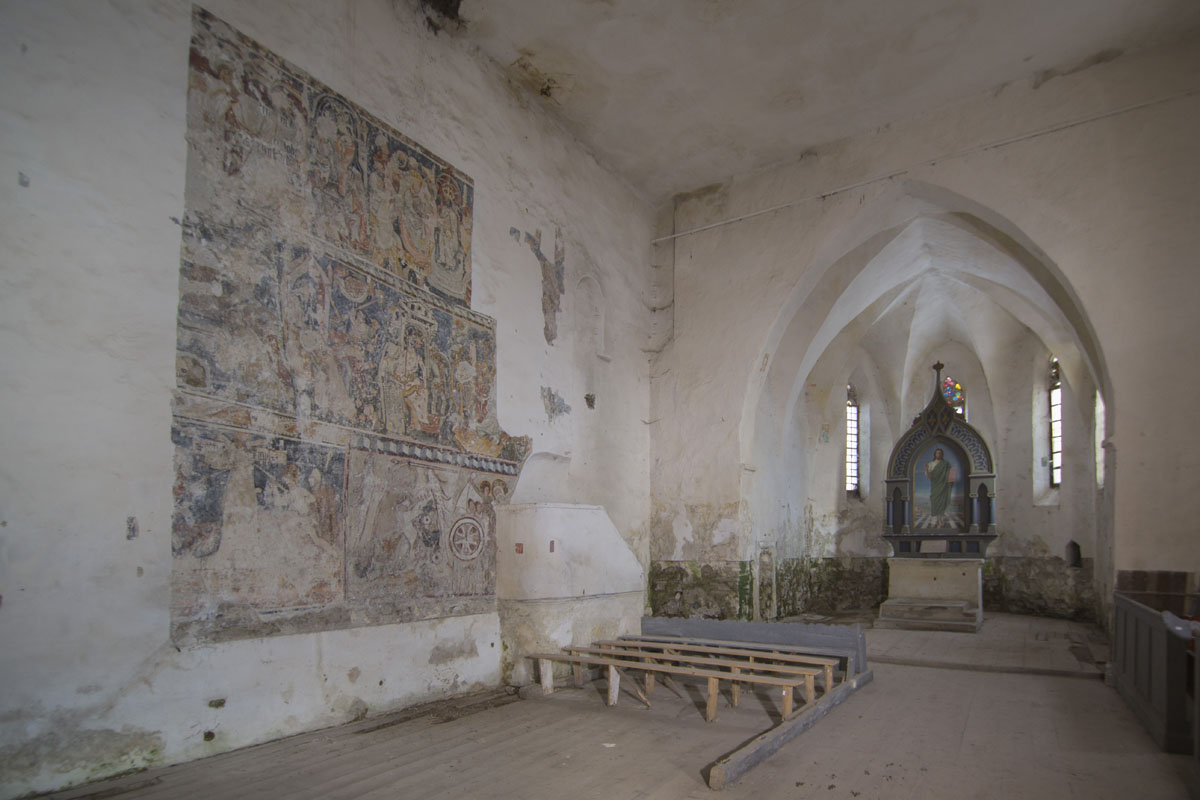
(755,654)
(735,666)
(787,685)
(841,657)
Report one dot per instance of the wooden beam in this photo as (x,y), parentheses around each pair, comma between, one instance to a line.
(731,767)
(636,690)
(710,709)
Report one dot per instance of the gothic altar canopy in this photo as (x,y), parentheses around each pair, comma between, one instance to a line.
(940,499)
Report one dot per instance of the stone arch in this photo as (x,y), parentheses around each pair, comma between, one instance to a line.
(910,242)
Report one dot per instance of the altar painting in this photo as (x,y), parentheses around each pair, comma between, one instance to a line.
(939,489)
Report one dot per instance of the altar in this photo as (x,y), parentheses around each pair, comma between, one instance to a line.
(940,511)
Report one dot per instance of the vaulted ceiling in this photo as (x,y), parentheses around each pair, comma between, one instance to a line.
(678,94)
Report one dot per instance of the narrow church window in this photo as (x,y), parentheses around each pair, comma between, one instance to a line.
(1055,382)
(851,439)
(955,395)
(1099,436)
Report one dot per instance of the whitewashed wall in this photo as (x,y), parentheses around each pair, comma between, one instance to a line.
(92,144)
(1092,173)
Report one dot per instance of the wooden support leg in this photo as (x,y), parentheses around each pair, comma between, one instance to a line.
(649,682)
(828,679)
(787,701)
(641,695)
(546,674)
(577,672)
(735,689)
(670,684)
(808,689)
(614,685)
(710,710)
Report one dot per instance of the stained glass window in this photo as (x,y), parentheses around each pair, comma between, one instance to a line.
(1056,454)
(955,394)
(851,439)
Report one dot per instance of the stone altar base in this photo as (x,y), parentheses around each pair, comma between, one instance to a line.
(934,594)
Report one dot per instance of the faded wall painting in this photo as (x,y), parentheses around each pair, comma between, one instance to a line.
(939,489)
(337,452)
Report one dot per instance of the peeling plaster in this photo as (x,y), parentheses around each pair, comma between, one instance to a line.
(553,285)
(556,406)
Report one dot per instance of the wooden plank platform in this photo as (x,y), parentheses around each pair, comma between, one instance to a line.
(616,665)
(751,653)
(735,666)
(842,657)
(808,635)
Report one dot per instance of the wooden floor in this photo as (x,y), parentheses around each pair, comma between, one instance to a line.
(914,732)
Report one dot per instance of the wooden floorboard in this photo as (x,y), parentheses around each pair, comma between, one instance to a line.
(889,739)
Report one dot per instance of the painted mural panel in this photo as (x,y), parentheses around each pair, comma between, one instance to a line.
(230,336)
(337,451)
(418,532)
(267,139)
(248,123)
(258,522)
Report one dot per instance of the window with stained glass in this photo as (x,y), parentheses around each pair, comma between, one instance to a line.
(955,394)
(851,439)
(1056,423)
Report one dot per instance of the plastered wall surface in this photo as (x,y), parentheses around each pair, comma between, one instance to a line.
(555,550)
(565,576)
(1088,173)
(93,109)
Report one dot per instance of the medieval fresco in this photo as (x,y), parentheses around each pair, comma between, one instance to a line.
(417,533)
(258,521)
(337,448)
(268,141)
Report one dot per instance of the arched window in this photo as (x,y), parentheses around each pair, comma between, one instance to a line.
(955,395)
(1054,381)
(851,440)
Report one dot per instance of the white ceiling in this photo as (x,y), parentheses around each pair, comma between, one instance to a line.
(678,94)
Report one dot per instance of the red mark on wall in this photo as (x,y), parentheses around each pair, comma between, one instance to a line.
(520,548)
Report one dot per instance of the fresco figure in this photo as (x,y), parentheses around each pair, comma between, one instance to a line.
(941,483)
(450,259)
(338,182)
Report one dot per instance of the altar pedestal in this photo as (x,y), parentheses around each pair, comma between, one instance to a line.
(934,594)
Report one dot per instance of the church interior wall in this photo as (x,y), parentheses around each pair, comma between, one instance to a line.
(713,465)
(95,105)
(1074,180)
